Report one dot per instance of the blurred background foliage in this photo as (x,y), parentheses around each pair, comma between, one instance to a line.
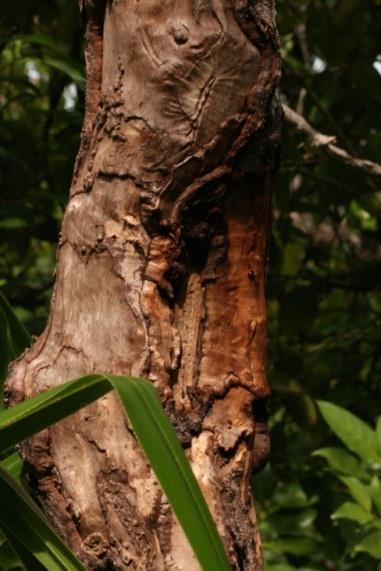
(324,278)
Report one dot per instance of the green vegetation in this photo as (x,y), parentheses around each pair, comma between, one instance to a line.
(318,501)
(25,530)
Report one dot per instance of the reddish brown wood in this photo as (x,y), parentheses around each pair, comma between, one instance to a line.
(160,273)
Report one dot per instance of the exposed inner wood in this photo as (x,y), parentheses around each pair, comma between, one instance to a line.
(160,274)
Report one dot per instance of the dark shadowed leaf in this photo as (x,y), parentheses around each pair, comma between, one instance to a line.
(21,519)
(342,461)
(155,434)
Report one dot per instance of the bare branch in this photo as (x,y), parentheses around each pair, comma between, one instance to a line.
(327,142)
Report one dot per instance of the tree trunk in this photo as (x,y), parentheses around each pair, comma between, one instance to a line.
(160,274)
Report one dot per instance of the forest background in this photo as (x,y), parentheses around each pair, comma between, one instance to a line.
(319,499)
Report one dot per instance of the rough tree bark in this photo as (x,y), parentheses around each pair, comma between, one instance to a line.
(160,274)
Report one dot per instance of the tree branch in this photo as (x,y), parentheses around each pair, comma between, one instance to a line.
(327,142)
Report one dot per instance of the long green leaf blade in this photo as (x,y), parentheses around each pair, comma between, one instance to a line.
(167,458)
(20,517)
(35,414)
(26,557)
(14,338)
(155,434)
(19,335)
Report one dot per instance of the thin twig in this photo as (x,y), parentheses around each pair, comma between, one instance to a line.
(327,143)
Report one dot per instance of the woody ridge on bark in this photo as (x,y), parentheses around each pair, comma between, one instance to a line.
(160,274)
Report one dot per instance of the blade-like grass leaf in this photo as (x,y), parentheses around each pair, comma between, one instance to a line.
(14,466)
(167,458)
(19,335)
(155,434)
(14,338)
(20,517)
(31,416)
(26,557)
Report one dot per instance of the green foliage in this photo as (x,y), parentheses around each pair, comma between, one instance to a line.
(324,300)
(323,291)
(364,486)
(28,532)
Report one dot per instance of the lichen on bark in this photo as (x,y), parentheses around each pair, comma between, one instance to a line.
(160,273)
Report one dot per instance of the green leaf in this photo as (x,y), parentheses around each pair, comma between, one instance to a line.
(155,434)
(356,434)
(354,512)
(371,544)
(378,434)
(8,557)
(30,562)
(19,335)
(13,340)
(35,414)
(167,458)
(6,351)
(293,546)
(14,466)
(293,496)
(375,490)
(20,517)
(68,67)
(292,523)
(43,40)
(358,491)
(13,223)
(342,461)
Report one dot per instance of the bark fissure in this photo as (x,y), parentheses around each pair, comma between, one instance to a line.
(160,273)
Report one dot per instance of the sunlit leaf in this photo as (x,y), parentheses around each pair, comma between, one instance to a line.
(354,512)
(371,544)
(342,461)
(359,491)
(155,434)
(356,434)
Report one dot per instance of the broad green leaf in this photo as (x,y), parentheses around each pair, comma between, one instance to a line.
(375,490)
(155,434)
(342,461)
(356,434)
(358,491)
(354,512)
(31,416)
(20,518)
(167,458)
(293,545)
(371,544)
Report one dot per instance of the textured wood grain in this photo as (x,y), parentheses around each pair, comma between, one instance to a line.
(160,273)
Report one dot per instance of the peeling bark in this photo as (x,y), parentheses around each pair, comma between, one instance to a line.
(160,274)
